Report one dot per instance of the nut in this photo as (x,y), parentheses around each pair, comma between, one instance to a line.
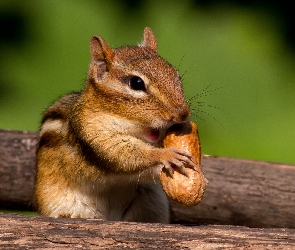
(187,190)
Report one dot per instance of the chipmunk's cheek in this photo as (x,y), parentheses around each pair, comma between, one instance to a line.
(152,135)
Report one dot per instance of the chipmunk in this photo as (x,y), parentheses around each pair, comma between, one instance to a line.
(100,150)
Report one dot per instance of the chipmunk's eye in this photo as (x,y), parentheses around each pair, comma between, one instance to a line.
(136,83)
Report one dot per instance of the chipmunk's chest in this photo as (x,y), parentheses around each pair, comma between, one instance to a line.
(110,196)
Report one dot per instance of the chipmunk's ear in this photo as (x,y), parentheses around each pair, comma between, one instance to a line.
(149,39)
(101,51)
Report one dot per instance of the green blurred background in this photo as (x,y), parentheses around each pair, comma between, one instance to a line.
(236,58)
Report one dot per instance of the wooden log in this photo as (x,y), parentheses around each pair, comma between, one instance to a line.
(240,192)
(17,168)
(244,192)
(27,232)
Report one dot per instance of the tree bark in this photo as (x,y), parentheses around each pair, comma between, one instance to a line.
(17,168)
(244,192)
(25,232)
(240,192)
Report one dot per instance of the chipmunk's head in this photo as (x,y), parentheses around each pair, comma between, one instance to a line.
(134,82)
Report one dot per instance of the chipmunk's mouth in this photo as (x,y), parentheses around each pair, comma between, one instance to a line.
(152,135)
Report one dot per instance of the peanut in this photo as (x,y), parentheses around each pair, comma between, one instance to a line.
(187,190)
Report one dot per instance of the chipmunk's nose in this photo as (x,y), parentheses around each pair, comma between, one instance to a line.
(181,115)
(185,115)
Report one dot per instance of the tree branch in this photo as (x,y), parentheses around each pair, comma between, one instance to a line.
(240,192)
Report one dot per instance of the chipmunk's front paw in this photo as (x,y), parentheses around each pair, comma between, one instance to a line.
(173,158)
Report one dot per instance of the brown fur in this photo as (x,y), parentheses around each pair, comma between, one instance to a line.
(95,158)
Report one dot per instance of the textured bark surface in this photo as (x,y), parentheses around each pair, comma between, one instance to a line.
(17,168)
(240,192)
(25,232)
(244,192)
